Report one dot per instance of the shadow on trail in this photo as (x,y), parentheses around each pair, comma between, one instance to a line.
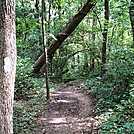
(70,111)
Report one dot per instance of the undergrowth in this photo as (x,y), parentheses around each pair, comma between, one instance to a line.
(116,108)
(115,92)
(27,110)
(30,98)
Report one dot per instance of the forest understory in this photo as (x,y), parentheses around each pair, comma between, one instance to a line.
(90,67)
(82,51)
(74,108)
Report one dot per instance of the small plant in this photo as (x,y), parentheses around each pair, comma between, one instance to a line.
(116,93)
(27,111)
(23,83)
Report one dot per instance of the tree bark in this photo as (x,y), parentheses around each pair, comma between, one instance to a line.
(105,36)
(45,52)
(65,32)
(94,23)
(7,64)
(131,12)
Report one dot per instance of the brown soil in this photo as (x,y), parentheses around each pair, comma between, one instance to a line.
(70,111)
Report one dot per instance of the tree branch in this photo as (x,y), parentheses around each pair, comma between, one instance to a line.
(65,33)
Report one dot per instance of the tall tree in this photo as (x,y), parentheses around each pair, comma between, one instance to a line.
(131,12)
(7,64)
(65,32)
(45,50)
(105,36)
(94,23)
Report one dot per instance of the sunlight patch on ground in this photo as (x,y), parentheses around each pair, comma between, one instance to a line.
(65,92)
(58,120)
(66,101)
(59,92)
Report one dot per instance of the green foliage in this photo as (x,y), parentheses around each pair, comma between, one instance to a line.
(28,29)
(27,111)
(24,82)
(120,68)
(117,124)
(116,92)
(28,108)
(29,97)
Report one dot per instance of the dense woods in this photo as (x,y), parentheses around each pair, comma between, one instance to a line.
(86,40)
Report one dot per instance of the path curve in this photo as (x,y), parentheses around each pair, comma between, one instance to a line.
(70,111)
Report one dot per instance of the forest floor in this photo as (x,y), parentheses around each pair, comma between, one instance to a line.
(70,111)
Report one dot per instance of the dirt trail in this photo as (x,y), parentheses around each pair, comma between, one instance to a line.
(70,111)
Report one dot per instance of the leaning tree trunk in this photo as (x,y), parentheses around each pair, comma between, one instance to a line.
(64,34)
(7,64)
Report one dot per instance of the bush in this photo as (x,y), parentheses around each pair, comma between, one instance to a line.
(23,80)
(120,73)
(116,93)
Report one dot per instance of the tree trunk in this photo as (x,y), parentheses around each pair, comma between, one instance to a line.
(45,51)
(93,43)
(65,32)
(131,12)
(105,36)
(85,67)
(7,64)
